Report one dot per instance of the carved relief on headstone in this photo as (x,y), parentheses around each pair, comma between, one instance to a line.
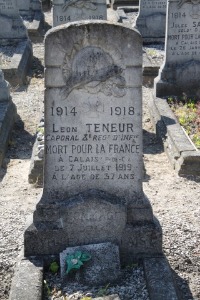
(93,165)
(65,11)
(151,20)
(181,70)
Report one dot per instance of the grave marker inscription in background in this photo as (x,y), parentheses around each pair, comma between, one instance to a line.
(181,70)
(65,11)
(15,47)
(93,144)
(151,20)
(11,24)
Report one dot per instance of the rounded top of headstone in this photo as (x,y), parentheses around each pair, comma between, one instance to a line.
(89,23)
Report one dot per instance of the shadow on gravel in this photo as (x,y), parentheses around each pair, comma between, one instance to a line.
(151,144)
(182,286)
(37,68)
(21,142)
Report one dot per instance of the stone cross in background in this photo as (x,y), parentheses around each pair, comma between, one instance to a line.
(93,166)
(181,70)
(151,20)
(65,11)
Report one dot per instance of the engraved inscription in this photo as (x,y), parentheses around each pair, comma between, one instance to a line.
(184,32)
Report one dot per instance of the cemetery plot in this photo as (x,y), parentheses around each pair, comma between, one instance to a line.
(33,17)
(14,63)
(181,70)
(93,143)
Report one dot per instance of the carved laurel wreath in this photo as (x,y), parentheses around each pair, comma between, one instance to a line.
(194,2)
(108,80)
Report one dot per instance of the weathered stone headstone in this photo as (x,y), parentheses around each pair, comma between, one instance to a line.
(14,43)
(7,115)
(65,11)
(117,3)
(93,144)
(11,23)
(180,72)
(151,20)
(33,17)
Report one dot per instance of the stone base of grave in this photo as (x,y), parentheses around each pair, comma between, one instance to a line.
(35,175)
(117,3)
(35,26)
(182,154)
(59,225)
(15,71)
(173,80)
(27,282)
(7,119)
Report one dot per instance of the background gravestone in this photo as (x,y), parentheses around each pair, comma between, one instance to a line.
(68,11)
(14,43)
(118,3)
(181,70)
(33,17)
(151,20)
(7,115)
(93,144)
(10,21)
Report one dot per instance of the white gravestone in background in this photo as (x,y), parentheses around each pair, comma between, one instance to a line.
(65,11)
(151,20)
(180,72)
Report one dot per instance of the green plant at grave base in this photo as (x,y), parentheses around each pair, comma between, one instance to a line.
(54,267)
(151,52)
(187,111)
(196,140)
(40,129)
(103,291)
(76,260)
(86,298)
(131,266)
(47,288)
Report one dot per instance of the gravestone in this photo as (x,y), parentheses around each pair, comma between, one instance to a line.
(7,115)
(93,164)
(33,17)
(124,3)
(75,10)
(180,72)
(15,47)
(151,20)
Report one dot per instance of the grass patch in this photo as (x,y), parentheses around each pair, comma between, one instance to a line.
(187,111)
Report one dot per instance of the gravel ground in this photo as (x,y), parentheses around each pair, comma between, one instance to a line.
(175,200)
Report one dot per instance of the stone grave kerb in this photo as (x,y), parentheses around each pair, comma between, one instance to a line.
(4,88)
(93,167)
